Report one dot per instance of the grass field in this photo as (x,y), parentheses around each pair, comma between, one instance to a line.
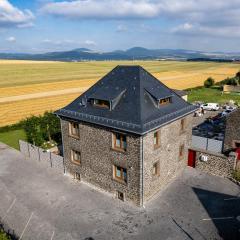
(29,80)
(11,138)
(212,95)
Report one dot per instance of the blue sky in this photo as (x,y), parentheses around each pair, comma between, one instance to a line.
(105,25)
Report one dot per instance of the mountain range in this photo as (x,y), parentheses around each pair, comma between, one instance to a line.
(135,53)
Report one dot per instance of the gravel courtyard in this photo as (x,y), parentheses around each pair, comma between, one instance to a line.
(40,204)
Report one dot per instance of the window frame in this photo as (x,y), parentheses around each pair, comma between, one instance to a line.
(77,176)
(71,127)
(102,103)
(156,168)
(181,151)
(120,179)
(75,161)
(164,101)
(182,125)
(158,142)
(114,141)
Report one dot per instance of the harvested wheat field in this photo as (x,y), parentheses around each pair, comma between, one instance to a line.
(32,87)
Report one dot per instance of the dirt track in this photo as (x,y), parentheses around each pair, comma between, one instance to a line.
(42,94)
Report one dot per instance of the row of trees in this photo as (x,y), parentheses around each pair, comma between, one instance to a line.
(42,128)
(228,81)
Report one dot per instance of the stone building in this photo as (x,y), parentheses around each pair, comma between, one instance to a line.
(232,131)
(128,134)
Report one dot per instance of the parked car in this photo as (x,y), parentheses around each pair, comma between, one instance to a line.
(210,106)
(226,112)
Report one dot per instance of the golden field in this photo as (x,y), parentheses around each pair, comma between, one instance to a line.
(32,87)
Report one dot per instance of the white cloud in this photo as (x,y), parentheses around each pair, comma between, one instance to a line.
(105,9)
(11,16)
(122,28)
(68,42)
(11,39)
(90,43)
(202,30)
(196,16)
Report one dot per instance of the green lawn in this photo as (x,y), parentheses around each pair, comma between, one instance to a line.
(11,137)
(212,95)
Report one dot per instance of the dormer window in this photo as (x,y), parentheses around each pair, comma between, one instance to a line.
(165,101)
(101,103)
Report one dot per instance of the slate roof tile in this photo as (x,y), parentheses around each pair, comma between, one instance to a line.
(134,110)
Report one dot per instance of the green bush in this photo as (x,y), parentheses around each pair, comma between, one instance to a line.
(230,81)
(236,175)
(3,235)
(8,128)
(42,128)
(209,82)
(238,75)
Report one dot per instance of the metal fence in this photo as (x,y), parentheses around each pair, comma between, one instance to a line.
(48,159)
(208,144)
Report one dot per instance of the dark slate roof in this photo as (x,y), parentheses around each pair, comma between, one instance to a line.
(133,93)
(180,92)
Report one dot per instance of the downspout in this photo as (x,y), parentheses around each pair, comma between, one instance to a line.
(142,156)
(64,170)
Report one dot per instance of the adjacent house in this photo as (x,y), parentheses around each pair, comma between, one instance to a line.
(128,134)
(232,131)
(182,94)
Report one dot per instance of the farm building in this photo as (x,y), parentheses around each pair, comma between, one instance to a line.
(232,131)
(231,89)
(182,94)
(128,134)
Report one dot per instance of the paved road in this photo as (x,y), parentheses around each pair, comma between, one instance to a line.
(39,204)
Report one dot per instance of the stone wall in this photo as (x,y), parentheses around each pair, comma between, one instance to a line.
(48,159)
(232,131)
(167,154)
(217,164)
(98,158)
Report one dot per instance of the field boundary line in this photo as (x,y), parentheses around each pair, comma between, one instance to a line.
(42,94)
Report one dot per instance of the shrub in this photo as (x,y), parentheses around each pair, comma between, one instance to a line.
(4,236)
(236,175)
(209,82)
(42,128)
(238,75)
(8,128)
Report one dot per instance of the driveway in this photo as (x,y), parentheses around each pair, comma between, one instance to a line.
(40,204)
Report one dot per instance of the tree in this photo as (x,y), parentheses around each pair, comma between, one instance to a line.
(238,75)
(32,128)
(43,128)
(209,82)
(50,125)
(234,81)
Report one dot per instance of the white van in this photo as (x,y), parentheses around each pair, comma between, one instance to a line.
(210,106)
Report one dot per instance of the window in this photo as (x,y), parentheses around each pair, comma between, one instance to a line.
(181,151)
(120,174)
(119,141)
(236,144)
(156,139)
(77,176)
(76,157)
(156,169)
(74,129)
(120,195)
(164,101)
(182,127)
(101,103)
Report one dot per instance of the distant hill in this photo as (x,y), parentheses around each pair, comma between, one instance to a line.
(136,53)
